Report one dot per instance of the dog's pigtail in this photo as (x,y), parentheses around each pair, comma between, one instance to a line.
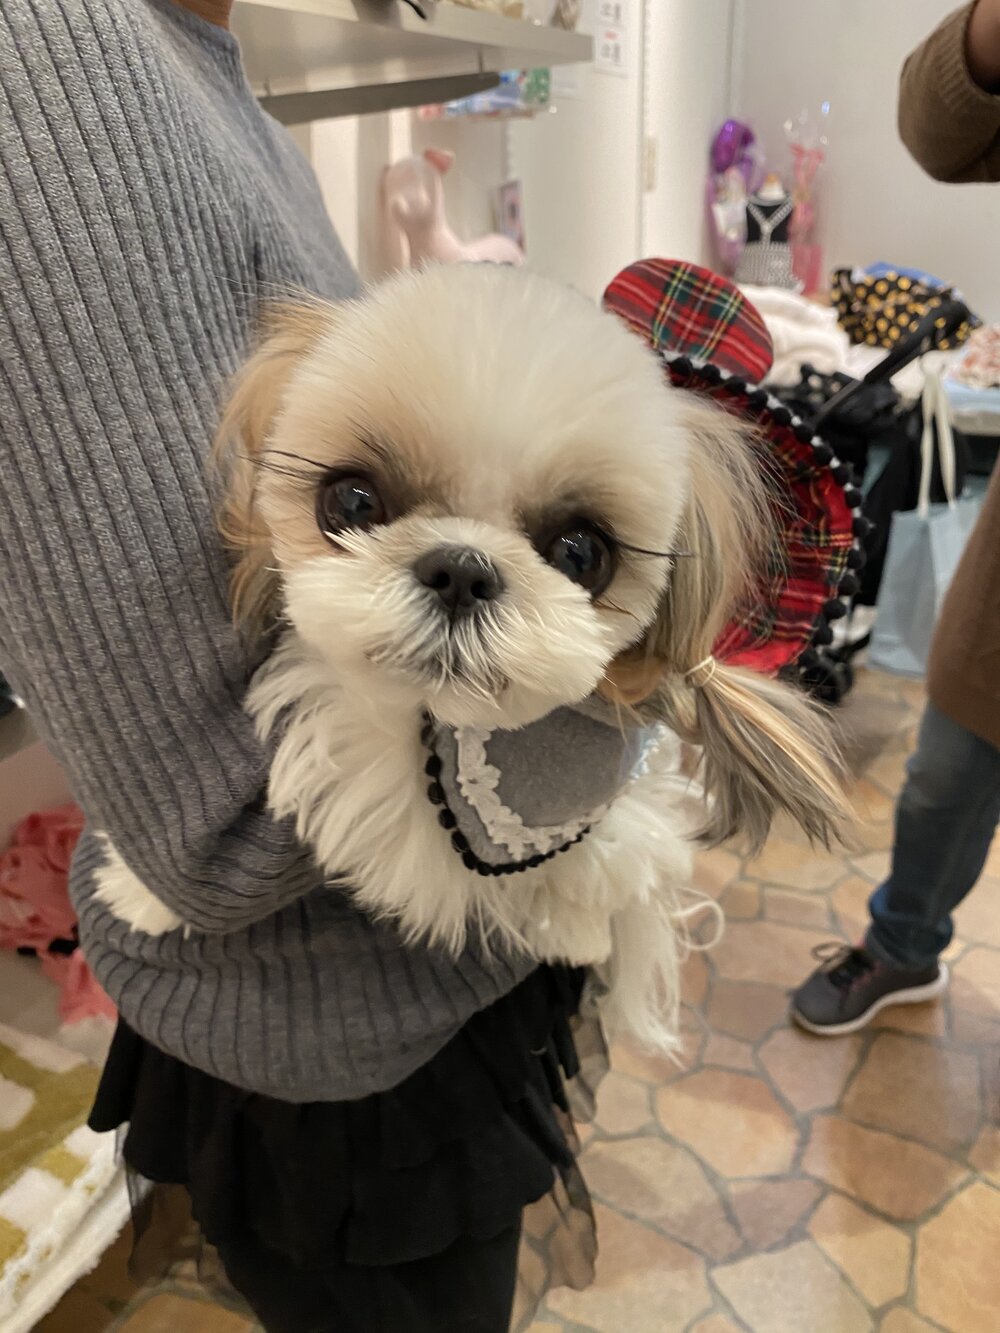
(766,749)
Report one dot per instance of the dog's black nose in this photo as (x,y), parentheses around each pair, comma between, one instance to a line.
(464,579)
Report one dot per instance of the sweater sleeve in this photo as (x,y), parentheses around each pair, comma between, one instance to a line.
(114,344)
(950,125)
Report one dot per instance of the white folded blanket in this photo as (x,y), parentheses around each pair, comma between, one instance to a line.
(802,332)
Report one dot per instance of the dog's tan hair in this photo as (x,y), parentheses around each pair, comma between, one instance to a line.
(256,396)
(766,748)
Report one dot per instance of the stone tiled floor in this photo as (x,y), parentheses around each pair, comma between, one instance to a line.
(776,1183)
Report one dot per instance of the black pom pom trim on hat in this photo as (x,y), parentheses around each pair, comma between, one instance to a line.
(757,402)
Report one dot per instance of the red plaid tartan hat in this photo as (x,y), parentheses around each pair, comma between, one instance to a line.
(712,341)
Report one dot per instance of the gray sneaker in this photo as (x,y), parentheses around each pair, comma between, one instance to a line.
(851,987)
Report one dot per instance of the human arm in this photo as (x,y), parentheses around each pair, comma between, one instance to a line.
(114,622)
(948,117)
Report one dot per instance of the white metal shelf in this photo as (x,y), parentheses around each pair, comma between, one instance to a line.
(379,49)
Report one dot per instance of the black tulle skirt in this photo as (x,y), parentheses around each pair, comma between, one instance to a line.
(398,1213)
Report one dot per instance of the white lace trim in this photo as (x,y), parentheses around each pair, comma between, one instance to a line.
(478,781)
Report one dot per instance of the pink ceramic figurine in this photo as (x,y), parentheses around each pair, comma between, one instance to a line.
(416,225)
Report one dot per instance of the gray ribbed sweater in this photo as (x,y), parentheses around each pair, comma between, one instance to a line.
(147,206)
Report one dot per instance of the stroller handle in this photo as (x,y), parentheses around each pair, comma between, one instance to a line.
(937,323)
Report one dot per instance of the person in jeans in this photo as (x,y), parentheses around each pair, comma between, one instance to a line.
(947,815)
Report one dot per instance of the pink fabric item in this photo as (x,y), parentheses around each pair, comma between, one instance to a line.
(35,909)
(80,996)
(34,900)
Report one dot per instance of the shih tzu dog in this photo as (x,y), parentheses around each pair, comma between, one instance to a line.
(494,551)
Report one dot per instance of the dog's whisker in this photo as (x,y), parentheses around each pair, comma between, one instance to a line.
(657,555)
(277,470)
(298,458)
(605,605)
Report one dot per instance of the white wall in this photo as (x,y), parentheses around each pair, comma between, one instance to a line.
(877,203)
(581,169)
(348,155)
(591,204)
(687,92)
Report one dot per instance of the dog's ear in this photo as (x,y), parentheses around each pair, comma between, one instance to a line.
(765,748)
(254,403)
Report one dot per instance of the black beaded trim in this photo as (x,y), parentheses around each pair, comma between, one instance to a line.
(757,403)
(446,818)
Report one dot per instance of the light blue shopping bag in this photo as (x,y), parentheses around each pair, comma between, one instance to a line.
(925,546)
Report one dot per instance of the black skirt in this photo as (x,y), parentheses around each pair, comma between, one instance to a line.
(398,1212)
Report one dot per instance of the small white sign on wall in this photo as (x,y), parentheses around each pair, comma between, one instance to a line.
(611,13)
(610,55)
(611,21)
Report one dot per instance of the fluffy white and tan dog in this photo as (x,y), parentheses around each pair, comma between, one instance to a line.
(469,502)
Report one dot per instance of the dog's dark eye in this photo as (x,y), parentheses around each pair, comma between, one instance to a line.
(349,502)
(584,555)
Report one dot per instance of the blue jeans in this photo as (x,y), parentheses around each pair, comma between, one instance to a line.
(946,817)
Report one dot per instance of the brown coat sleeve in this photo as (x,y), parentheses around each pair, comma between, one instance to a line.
(949,124)
(963,677)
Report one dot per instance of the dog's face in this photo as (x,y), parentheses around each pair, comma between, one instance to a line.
(469,483)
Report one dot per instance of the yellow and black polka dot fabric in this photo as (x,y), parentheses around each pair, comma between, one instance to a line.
(879,311)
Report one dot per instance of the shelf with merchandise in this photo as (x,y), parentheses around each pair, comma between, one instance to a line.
(310,59)
(520,95)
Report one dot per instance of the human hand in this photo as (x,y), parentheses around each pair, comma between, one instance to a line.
(982,45)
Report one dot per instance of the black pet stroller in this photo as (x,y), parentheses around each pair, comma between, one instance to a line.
(856,418)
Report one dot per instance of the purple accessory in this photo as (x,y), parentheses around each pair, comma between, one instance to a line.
(731,148)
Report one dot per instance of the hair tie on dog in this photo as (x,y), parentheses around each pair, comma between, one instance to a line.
(702,674)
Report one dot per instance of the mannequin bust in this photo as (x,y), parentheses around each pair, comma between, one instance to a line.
(769,212)
(767,256)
